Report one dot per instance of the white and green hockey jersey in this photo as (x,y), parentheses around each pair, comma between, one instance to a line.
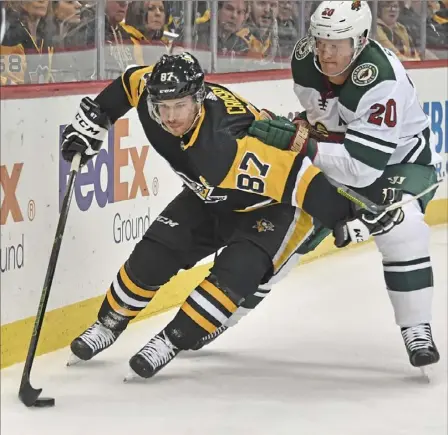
(376,109)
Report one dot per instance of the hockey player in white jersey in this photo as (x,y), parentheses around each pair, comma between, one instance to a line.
(363,126)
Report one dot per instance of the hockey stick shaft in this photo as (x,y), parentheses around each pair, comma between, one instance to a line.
(357,198)
(25,383)
(413,198)
(171,37)
(372,207)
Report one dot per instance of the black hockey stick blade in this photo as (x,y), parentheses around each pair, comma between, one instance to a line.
(30,396)
(27,394)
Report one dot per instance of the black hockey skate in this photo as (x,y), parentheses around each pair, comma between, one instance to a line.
(420,346)
(209,338)
(91,342)
(151,358)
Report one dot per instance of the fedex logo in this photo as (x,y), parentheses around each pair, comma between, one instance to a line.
(103,180)
(9,180)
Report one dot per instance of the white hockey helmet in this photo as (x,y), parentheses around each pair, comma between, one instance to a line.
(340,20)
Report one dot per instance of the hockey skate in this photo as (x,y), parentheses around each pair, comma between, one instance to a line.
(91,342)
(155,355)
(204,341)
(420,346)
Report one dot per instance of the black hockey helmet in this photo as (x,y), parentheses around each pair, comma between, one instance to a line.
(176,76)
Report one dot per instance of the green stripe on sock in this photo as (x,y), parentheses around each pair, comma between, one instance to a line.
(409,281)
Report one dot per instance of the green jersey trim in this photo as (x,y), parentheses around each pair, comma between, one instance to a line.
(372,157)
(370,69)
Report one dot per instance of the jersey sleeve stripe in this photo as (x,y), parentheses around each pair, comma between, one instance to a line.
(369,138)
(126,80)
(365,143)
(371,157)
(291,185)
(134,84)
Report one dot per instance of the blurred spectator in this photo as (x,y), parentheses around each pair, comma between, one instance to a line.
(65,16)
(26,51)
(393,35)
(231,16)
(121,48)
(64,19)
(149,18)
(261,30)
(146,21)
(288,34)
(87,10)
(411,17)
(176,8)
(310,8)
(438,14)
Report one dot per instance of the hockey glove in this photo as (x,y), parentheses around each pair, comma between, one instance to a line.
(267,115)
(86,133)
(364,224)
(283,134)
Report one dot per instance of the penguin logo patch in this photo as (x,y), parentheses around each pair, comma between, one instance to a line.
(302,49)
(263,225)
(365,74)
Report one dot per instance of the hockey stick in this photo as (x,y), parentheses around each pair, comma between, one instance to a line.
(171,37)
(27,394)
(372,207)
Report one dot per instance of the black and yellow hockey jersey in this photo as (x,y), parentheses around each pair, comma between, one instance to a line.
(228,169)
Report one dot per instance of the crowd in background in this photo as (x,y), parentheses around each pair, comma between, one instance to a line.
(57,41)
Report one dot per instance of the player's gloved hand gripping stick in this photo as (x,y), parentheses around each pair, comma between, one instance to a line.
(27,394)
(81,141)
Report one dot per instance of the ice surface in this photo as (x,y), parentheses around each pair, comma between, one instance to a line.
(320,356)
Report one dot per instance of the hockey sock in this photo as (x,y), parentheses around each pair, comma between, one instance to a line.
(410,287)
(124,300)
(206,309)
(248,305)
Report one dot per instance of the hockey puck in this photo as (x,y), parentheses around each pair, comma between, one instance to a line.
(44,402)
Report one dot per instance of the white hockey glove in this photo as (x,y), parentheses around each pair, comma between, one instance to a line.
(365,224)
(86,133)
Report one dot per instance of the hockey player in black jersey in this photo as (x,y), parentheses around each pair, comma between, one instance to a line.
(256,201)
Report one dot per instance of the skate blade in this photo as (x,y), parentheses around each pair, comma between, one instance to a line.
(131,376)
(73,360)
(425,375)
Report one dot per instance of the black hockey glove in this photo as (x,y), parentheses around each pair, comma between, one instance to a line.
(364,224)
(86,133)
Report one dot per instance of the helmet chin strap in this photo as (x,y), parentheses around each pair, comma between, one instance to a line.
(316,64)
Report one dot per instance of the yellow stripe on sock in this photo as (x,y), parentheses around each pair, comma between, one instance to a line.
(198,318)
(134,288)
(117,308)
(218,295)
